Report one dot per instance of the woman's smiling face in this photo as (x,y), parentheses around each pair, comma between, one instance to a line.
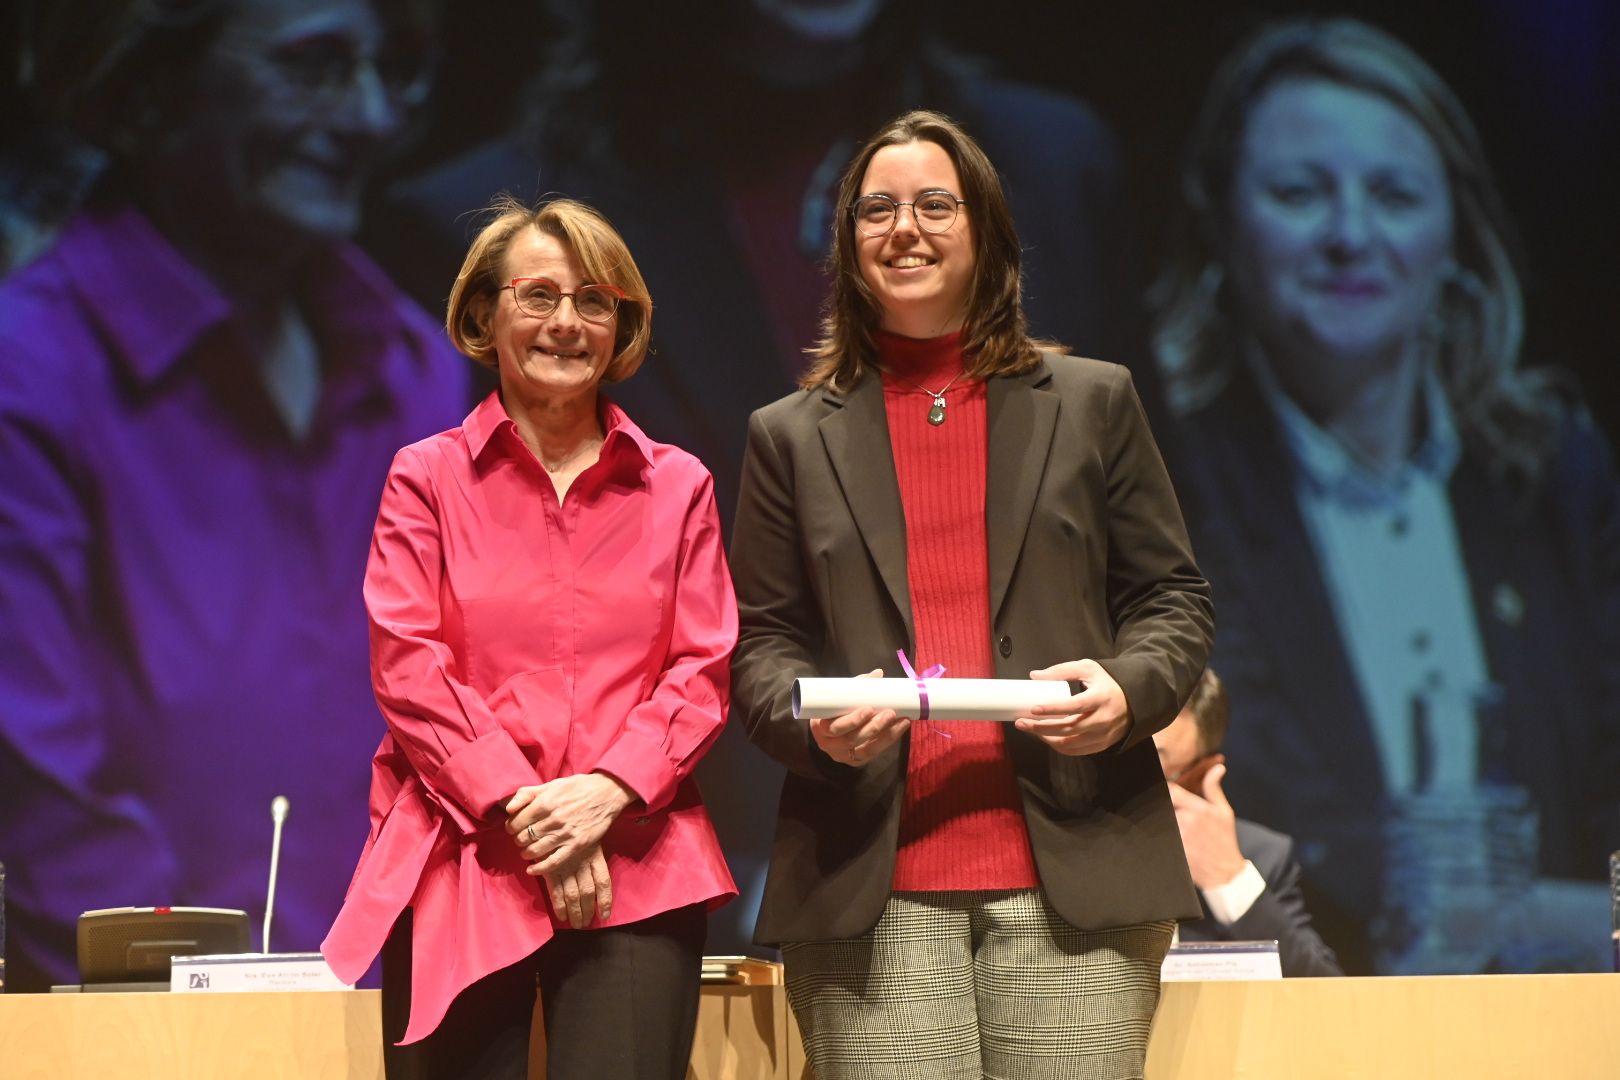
(558,356)
(920,280)
(1341,225)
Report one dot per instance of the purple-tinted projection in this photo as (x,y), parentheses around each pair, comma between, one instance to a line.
(202,383)
(212,213)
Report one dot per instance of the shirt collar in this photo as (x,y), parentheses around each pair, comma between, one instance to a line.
(1330,470)
(148,301)
(621,434)
(624,432)
(154,306)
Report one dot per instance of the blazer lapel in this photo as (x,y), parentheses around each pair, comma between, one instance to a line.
(1022,416)
(856,436)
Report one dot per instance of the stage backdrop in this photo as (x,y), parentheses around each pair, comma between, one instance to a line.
(228,228)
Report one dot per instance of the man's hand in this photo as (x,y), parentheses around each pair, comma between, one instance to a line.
(1208,831)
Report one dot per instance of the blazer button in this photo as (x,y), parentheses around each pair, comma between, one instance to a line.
(1005,645)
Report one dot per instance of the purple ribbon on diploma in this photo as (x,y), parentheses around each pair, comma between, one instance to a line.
(922,686)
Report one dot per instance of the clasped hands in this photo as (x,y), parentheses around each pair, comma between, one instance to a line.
(558,827)
(1084,723)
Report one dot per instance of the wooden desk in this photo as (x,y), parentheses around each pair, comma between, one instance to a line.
(745,1030)
(286,1036)
(1479,1027)
(1436,1027)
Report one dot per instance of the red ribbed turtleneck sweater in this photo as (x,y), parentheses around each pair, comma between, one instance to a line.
(962,823)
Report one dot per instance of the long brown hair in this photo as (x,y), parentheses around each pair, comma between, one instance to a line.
(995,339)
(1508,413)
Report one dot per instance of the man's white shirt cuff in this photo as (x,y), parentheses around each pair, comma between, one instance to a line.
(1230,902)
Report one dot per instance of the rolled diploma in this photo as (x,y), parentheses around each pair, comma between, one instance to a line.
(948,699)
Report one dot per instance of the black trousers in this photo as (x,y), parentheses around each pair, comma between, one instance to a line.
(616,1002)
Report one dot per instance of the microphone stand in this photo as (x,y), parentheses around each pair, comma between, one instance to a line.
(278,815)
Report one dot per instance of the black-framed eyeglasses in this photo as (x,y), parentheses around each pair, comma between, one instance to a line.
(935,212)
(540,296)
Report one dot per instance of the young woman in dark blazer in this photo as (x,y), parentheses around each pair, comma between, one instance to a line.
(963,899)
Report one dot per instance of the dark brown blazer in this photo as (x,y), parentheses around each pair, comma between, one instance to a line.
(1088,558)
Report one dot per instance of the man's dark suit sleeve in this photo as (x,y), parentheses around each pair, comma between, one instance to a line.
(1279,912)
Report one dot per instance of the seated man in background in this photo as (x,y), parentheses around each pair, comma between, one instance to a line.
(1246,874)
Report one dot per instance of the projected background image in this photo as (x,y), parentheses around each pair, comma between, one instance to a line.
(1361,270)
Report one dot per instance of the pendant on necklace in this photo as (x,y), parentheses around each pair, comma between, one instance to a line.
(936,413)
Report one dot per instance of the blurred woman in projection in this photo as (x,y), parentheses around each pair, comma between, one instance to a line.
(199,385)
(551,627)
(1414,541)
(963,899)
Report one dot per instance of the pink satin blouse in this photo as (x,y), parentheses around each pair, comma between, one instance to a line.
(515,640)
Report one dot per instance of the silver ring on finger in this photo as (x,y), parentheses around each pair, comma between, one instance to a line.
(533,839)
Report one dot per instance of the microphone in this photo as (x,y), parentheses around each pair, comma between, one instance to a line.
(278,815)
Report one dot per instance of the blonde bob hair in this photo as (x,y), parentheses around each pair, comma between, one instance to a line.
(603,259)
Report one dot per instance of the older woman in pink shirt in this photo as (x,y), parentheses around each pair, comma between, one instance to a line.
(551,622)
